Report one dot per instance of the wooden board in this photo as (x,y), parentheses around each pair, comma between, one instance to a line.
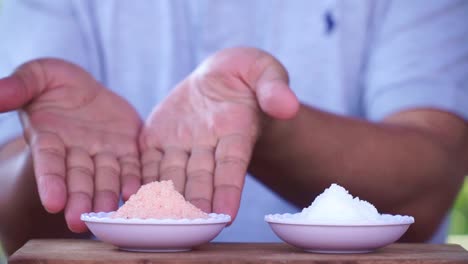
(87,251)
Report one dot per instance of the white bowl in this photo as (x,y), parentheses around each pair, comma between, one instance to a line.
(155,235)
(338,238)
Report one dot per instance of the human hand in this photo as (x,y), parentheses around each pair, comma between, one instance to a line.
(202,135)
(83,137)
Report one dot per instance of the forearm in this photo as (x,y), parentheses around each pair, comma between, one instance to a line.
(17,193)
(399,168)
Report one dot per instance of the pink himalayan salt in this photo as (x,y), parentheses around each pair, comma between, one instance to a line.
(158,200)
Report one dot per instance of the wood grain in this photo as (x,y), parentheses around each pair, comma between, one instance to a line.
(88,251)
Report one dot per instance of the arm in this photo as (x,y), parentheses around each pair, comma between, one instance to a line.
(412,159)
(17,175)
(410,162)
(395,163)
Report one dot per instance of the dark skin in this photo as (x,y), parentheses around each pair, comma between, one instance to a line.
(381,163)
(300,150)
(235,110)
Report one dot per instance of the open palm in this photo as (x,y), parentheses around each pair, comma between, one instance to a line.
(82,136)
(202,136)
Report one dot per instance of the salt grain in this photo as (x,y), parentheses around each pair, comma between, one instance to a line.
(336,206)
(158,200)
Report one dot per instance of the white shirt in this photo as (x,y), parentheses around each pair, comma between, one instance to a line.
(365,59)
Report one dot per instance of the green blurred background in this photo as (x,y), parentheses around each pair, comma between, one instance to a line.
(460,212)
(459,224)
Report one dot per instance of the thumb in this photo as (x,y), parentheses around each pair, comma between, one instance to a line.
(262,72)
(22,86)
(272,88)
(35,78)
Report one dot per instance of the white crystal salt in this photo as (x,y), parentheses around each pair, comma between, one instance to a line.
(336,206)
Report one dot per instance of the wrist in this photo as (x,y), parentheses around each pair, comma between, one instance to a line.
(272,137)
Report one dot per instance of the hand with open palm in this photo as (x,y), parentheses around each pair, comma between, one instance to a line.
(202,135)
(82,136)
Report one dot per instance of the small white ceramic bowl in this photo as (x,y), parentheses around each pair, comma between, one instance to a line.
(338,238)
(155,235)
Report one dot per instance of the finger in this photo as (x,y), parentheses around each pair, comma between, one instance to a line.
(13,94)
(107,182)
(22,86)
(173,167)
(48,153)
(130,175)
(35,77)
(264,75)
(151,160)
(80,184)
(232,155)
(200,173)
(272,89)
